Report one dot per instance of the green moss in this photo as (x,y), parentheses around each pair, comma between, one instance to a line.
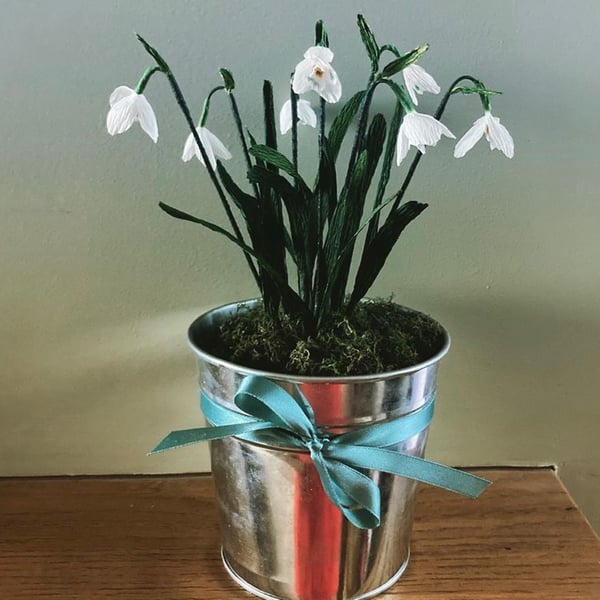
(377,337)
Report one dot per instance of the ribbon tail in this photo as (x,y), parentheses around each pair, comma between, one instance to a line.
(349,493)
(419,469)
(185,437)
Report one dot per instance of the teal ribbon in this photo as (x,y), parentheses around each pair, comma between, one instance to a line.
(275,417)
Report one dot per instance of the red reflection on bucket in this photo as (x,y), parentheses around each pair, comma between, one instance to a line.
(317,521)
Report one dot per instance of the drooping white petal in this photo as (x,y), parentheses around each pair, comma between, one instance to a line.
(146,117)
(301,82)
(189,148)
(212,145)
(119,117)
(316,73)
(285,117)
(402,147)
(330,88)
(471,137)
(306,114)
(499,137)
(121,92)
(320,53)
(417,81)
(419,130)
(218,149)
(127,107)
(207,148)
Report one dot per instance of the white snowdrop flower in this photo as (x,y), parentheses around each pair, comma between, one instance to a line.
(127,107)
(495,133)
(316,73)
(419,130)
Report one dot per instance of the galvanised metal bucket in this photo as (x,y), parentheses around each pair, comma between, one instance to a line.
(281,535)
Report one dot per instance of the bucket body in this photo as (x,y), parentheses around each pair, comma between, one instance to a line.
(281,535)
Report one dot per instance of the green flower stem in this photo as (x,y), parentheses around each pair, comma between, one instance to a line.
(240,127)
(188,117)
(206,105)
(145,78)
(164,67)
(294,103)
(415,162)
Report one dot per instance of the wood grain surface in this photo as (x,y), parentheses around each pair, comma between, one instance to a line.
(150,538)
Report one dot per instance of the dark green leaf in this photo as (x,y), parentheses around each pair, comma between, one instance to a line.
(245,202)
(369,41)
(390,48)
(326,185)
(388,159)
(374,144)
(228,80)
(294,303)
(401,63)
(160,61)
(275,158)
(269,114)
(376,254)
(474,90)
(321,37)
(179,214)
(340,125)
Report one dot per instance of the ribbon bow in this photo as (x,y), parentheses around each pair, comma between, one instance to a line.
(278,418)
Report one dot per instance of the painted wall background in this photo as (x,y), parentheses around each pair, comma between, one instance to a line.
(98,285)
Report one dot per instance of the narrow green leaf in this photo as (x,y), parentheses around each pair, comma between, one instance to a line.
(474,90)
(321,37)
(275,158)
(401,63)
(179,214)
(247,204)
(390,48)
(369,42)
(269,114)
(341,123)
(384,177)
(382,244)
(160,61)
(294,303)
(326,184)
(228,80)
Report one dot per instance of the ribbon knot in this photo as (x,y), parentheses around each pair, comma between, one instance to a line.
(317,444)
(277,418)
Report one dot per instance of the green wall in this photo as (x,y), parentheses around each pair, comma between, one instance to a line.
(98,285)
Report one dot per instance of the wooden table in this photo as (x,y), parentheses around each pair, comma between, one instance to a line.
(157,538)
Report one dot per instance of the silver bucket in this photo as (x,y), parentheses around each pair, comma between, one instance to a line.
(281,535)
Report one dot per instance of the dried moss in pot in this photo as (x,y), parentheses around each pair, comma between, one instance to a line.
(378,336)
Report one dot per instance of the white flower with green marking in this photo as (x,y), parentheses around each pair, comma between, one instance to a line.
(213,147)
(316,73)
(417,81)
(419,130)
(306,115)
(495,133)
(127,107)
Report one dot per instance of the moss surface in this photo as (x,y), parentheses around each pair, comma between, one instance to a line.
(379,336)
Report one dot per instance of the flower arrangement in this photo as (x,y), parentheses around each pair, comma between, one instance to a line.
(301,239)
